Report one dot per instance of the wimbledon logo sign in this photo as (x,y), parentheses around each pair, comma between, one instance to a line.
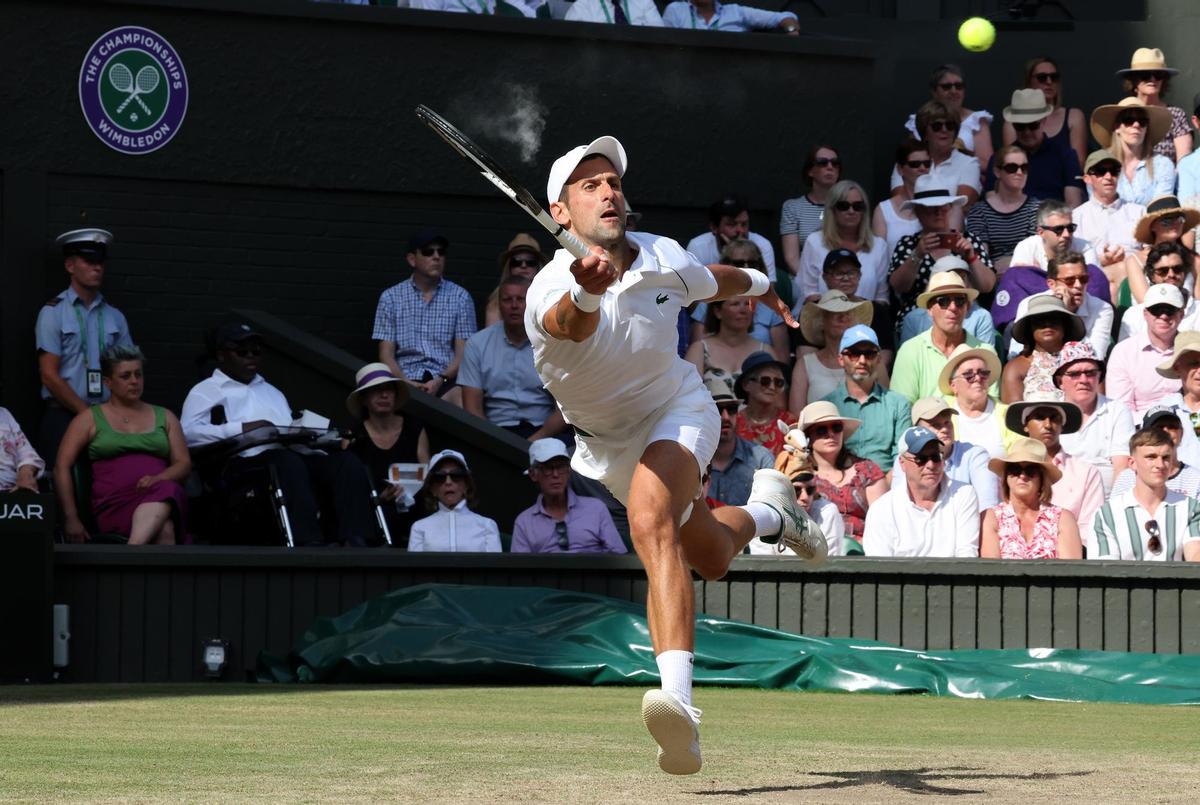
(133,90)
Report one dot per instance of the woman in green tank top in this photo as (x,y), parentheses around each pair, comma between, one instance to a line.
(138,455)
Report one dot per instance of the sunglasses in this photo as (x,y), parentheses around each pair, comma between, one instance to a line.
(451,475)
(768,382)
(1162,311)
(951,299)
(843,206)
(1151,75)
(525,262)
(1026,126)
(918,163)
(1155,541)
(1024,470)
(942,125)
(971,375)
(1162,271)
(810,489)
(946,86)
(560,530)
(855,354)
(827,162)
(1015,167)
(921,459)
(746,263)
(1099,171)
(729,408)
(430,251)
(1076,374)
(1170,220)
(1058,230)
(1128,119)
(850,274)
(821,431)
(1046,78)
(1075,280)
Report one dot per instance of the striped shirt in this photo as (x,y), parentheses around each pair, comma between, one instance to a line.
(424,332)
(1119,530)
(800,217)
(1002,231)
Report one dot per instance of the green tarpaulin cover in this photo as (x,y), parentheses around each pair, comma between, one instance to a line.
(457,634)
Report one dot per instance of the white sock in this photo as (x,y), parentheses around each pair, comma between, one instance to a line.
(675,668)
(767,521)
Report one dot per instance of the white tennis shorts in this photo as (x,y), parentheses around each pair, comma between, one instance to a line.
(690,419)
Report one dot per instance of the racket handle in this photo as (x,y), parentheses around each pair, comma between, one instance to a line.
(574,245)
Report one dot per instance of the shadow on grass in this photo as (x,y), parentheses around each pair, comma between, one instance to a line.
(915,781)
(16,695)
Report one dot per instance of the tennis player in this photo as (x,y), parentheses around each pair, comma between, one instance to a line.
(603,330)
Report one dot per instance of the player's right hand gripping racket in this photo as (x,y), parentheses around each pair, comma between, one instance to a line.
(494,173)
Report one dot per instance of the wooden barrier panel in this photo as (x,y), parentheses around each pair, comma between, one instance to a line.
(142,614)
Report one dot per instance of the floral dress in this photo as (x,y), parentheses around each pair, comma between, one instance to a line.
(851,498)
(1044,544)
(1180,125)
(1039,378)
(765,433)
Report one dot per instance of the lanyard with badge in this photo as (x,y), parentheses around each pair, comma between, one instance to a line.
(608,17)
(94,386)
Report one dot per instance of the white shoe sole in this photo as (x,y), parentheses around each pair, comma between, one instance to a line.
(674,731)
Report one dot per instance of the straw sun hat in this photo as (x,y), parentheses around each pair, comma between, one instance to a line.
(1027,451)
(1104,121)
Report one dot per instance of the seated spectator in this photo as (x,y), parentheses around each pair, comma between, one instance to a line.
(845,226)
(1148,522)
(979,419)
(712,15)
(1080,489)
(522,258)
(237,399)
(893,220)
(884,414)
(920,360)
(842,272)
(978,321)
(1165,221)
(729,220)
(1005,215)
(800,217)
(1132,378)
(1168,262)
(382,435)
(138,456)
(1129,130)
(422,324)
(1187,169)
(925,513)
(498,379)
(616,12)
(1053,165)
(478,7)
(852,483)
(449,492)
(1148,78)
(1045,327)
(823,323)
(913,259)
(1066,125)
(796,463)
(1103,436)
(768,326)
(729,342)
(974,135)
(939,127)
(761,385)
(735,460)
(561,521)
(1184,365)
(1106,220)
(1067,279)
(964,462)
(1182,476)
(20,465)
(1027,525)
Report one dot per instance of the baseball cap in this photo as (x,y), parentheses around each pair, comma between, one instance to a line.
(915,439)
(729,205)
(858,334)
(560,171)
(233,332)
(929,407)
(1098,156)
(836,256)
(1162,294)
(444,454)
(1159,412)
(543,450)
(424,238)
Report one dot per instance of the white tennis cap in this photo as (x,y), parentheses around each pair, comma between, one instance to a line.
(607,147)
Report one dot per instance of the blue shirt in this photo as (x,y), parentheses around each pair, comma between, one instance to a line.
(504,371)
(1143,189)
(1187,173)
(968,464)
(682,14)
(978,323)
(424,332)
(731,485)
(58,333)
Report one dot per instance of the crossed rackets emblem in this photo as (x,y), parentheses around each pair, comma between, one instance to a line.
(123,80)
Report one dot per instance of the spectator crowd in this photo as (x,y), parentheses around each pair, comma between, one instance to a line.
(1000,359)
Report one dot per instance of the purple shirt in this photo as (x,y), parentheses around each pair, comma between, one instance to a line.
(590,529)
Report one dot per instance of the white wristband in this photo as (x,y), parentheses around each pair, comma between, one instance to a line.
(760,283)
(587,302)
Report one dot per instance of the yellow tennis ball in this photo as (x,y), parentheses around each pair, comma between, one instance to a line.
(977,34)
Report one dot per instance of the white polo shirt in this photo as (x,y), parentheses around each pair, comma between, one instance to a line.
(1110,225)
(1032,252)
(704,248)
(1097,318)
(628,368)
(896,526)
(1119,531)
(1105,434)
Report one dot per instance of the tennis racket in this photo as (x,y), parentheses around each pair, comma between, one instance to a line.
(147,81)
(497,175)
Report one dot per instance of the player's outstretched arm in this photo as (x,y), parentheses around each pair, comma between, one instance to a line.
(733,281)
(576,315)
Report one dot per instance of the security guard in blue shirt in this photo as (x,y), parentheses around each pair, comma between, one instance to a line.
(73,329)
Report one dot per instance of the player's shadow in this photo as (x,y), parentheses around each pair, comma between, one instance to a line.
(916,781)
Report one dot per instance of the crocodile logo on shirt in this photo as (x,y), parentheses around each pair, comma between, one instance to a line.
(662,297)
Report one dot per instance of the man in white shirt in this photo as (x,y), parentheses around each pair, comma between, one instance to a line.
(1149,522)
(236,400)
(1106,220)
(1067,278)
(927,514)
(728,220)
(603,329)
(1103,438)
(616,12)
(1055,237)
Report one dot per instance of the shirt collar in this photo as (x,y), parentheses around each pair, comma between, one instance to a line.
(940,498)
(875,393)
(224,379)
(539,508)
(462,504)
(71,298)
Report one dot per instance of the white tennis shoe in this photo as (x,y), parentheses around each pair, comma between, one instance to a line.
(799,532)
(676,728)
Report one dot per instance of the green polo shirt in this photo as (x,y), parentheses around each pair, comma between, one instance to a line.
(885,416)
(919,362)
